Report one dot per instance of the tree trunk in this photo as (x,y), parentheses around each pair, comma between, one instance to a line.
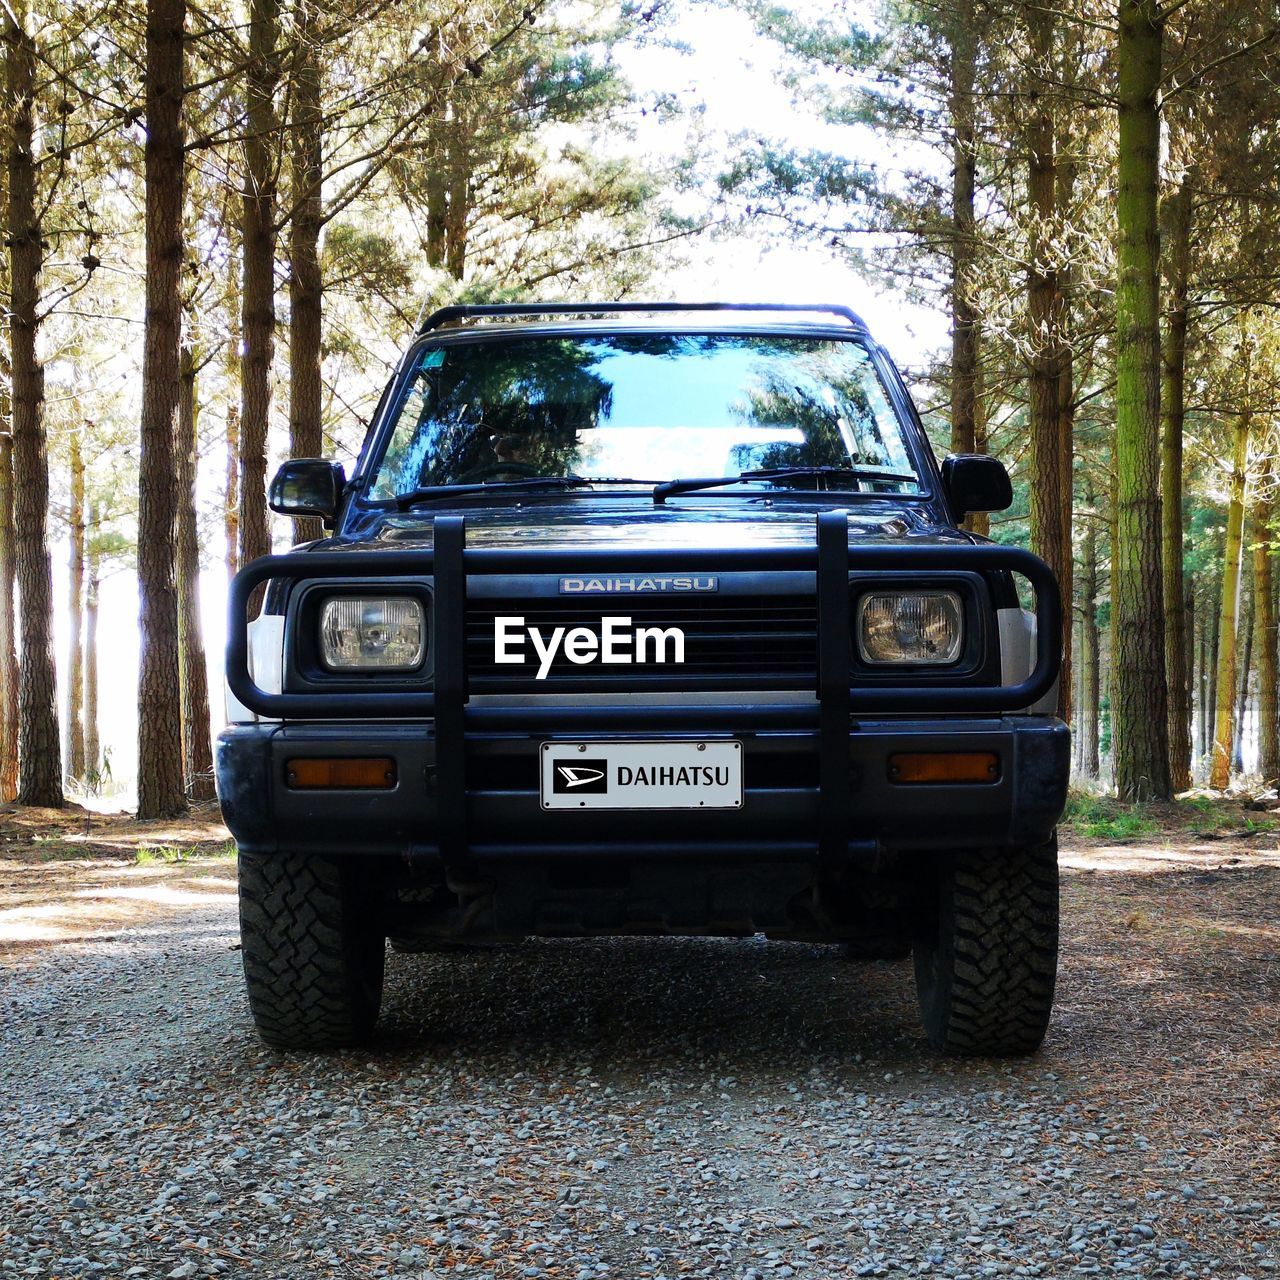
(1189,634)
(75,607)
(1265,632)
(1244,665)
(1202,690)
(459,178)
(8,621)
(160,785)
(197,751)
(39,750)
(306,285)
(1215,621)
(1087,728)
(964,351)
(257,300)
(1065,196)
(980,521)
(1050,447)
(1225,677)
(1175,259)
(92,752)
(1139,696)
(437,192)
(231,490)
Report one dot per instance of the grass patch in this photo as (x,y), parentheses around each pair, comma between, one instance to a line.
(1212,817)
(56,849)
(1101,818)
(149,854)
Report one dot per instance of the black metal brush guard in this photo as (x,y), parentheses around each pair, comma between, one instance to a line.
(449,564)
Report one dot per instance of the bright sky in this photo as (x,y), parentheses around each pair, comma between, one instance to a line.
(737,79)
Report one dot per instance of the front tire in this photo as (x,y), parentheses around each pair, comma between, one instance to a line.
(313,950)
(987,955)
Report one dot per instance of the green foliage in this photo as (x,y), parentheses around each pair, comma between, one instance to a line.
(57,849)
(1216,816)
(150,854)
(97,777)
(1101,818)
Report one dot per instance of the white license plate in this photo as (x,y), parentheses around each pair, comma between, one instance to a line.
(641,775)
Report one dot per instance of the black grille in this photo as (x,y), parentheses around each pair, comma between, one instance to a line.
(729,640)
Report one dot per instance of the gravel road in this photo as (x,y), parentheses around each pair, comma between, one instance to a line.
(646,1108)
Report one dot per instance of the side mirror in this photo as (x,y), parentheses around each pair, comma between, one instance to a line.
(308,487)
(975,482)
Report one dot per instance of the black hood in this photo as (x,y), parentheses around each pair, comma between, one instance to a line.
(629,522)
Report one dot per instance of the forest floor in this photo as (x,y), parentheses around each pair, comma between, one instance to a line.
(638,1107)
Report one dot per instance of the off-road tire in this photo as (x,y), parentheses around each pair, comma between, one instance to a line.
(987,954)
(313,950)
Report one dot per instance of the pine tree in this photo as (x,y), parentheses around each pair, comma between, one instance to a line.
(40,764)
(1139,699)
(160,782)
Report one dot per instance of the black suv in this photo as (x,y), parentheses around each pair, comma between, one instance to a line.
(646,619)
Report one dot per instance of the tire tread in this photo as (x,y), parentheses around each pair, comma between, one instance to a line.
(312,961)
(987,970)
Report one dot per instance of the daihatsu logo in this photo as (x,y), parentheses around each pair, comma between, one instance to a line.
(617,643)
(582,777)
(574,776)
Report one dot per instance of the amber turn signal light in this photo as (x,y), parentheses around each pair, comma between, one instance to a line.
(912,767)
(341,773)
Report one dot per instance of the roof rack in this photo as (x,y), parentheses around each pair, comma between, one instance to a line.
(460,311)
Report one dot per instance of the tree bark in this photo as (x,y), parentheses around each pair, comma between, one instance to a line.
(459,180)
(8,620)
(92,752)
(193,669)
(1244,664)
(161,793)
(980,521)
(1228,610)
(1087,728)
(964,349)
(257,299)
(231,489)
(75,612)
(1265,632)
(1212,612)
(1202,691)
(1175,257)
(39,750)
(1189,632)
(437,192)
(1050,445)
(306,285)
(1139,696)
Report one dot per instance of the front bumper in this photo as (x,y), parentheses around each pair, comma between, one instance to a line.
(497,814)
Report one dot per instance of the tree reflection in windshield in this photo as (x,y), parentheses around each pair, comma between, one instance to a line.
(651,405)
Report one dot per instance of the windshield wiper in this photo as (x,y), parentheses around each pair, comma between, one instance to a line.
(530,484)
(669,488)
(527,483)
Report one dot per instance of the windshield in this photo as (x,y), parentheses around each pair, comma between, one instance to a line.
(645,408)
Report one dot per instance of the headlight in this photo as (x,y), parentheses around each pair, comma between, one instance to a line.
(910,626)
(385,633)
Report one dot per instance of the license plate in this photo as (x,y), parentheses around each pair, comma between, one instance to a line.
(641,775)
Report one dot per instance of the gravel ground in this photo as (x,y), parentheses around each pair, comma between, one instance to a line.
(646,1108)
